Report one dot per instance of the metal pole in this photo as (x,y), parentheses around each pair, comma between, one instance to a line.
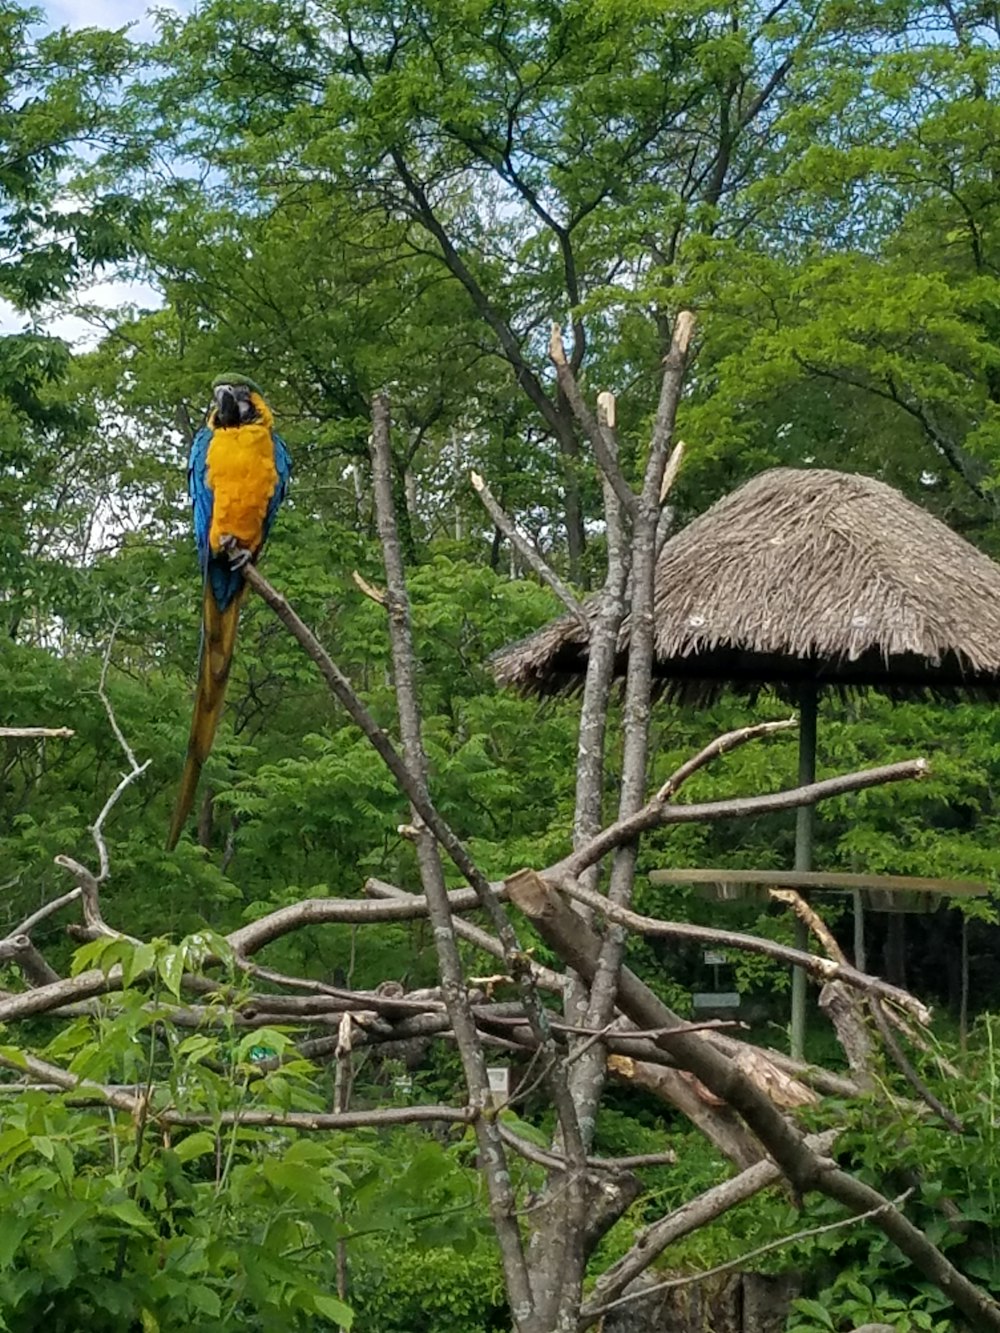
(963,1011)
(808,699)
(860,954)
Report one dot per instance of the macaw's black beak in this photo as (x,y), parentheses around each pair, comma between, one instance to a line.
(227,409)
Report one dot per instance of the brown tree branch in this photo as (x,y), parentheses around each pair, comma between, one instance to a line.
(45,1072)
(528,552)
(811,919)
(493,1158)
(718,1123)
(689,1217)
(341,688)
(731,740)
(909,1073)
(531,1152)
(68,990)
(18,949)
(35,733)
(312,1120)
(823,969)
(135,770)
(744,1259)
(603,451)
(657,814)
(805,1169)
(482,939)
(56,905)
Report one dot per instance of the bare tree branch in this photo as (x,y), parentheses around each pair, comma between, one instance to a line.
(527,550)
(732,740)
(823,969)
(56,905)
(46,1072)
(638,675)
(133,763)
(18,949)
(494,1162)
(805,1169)
(689,1217)
(65,991)
(656,814)
(35,733)
(743,1259)
(596,434)
(811,919)
(312,1120)
(556,1162)
(342,690)
(370,591)
(909,1073)
(482,939)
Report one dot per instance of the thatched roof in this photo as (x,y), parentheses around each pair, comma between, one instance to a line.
(803,575)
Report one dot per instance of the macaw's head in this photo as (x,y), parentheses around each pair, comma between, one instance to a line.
(237,401)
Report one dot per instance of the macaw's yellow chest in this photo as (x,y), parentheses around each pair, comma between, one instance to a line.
(241,473)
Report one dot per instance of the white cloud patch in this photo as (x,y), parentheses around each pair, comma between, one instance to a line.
(80,332)
(107,14)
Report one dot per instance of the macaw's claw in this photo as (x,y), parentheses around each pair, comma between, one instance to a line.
(238,555)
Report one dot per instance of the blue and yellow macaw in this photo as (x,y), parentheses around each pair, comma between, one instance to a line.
(238,472)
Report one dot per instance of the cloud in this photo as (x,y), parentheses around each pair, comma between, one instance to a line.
(79,332)
(107,14)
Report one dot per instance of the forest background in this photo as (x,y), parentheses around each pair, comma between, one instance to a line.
(350,198)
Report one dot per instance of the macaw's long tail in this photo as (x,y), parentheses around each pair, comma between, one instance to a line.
(218,640)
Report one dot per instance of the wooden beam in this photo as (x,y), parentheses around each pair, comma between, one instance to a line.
(822,879)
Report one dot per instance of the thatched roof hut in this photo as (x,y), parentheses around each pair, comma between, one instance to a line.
(803,577)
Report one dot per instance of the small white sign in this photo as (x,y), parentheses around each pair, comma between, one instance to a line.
(499,1077)
(715,959)
(722,999)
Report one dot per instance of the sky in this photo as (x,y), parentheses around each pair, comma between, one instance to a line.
(105,14)
(110,292)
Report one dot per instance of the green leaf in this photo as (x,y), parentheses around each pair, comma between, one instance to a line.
(127,1211)
(70,1215)
(139,960)
(335,1310)
(200,1144)
(822,1316)
(170,966)
(13,1229)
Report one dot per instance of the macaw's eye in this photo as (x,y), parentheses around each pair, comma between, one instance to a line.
(247,409)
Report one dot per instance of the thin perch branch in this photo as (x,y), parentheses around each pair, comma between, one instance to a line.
(690,1216)
(103,696)
(909,1073)
(671,1283)
(731,740)
(656,814)
(527,550)
(592,427)
(823,969)
(456,995)
(35,733)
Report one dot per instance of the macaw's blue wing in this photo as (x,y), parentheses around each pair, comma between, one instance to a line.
(283,465)
(200,492)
